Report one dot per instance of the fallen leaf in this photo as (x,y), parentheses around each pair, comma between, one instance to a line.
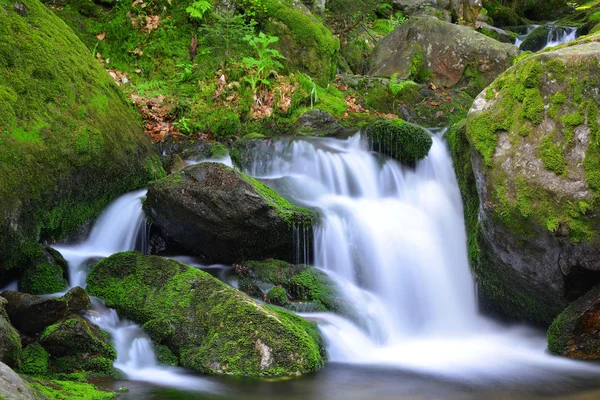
(101,36)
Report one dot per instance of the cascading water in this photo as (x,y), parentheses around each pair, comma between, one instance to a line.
(556,35)
(394,239)
(519,40)
(122,227)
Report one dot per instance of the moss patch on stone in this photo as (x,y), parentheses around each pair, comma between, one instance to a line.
(216,329)
(400,140)
(34,360)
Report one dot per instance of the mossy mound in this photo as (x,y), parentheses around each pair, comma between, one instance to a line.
(34,360)
(283,281)
(536,40)
(574,332)
(534,133)
(69,142)
(47,274)
(10,340)
(218,213)
(62,390)
(400,140)
(210,326)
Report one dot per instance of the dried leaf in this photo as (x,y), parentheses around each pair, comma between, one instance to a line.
(101,36)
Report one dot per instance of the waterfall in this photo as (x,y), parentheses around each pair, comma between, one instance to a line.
(393,237)
(122,227)
(556,35)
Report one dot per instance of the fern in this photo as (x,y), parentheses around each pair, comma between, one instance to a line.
(198,8)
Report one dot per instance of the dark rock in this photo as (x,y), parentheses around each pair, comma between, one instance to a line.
(21,8)
(210,326)
(536,40)
(318,123)
(222,215)
(10,341)
(32,314)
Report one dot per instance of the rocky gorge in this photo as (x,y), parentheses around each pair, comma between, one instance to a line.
(318,183)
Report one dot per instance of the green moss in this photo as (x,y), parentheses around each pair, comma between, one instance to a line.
(216,328)
(34,360)
(254,135)
(400,140)
(66,390)
(533,106)
(482,133)
(69,141)
(552,155)
(571,121)
(218,151)
(277,296)
(419,72)
(158,329)
(165,356)
(536,40)
(44,278)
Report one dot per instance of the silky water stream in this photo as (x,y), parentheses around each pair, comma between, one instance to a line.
(393,238)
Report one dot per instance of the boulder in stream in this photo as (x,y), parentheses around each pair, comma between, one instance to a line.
(535,156)
(209,325)
(10,340)
(403,141)
(222,215)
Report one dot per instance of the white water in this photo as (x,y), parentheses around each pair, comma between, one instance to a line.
(394,238)
(121,227)
(556,35)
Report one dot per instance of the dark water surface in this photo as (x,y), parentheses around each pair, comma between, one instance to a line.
(343,382)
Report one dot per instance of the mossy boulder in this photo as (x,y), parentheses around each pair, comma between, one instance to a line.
(212,327)
(47,274)
(535,152)
(403,141)
(536,40)
(10,340)
(12,386)
(69,141)
(279,281)
(75,344)
(32,314)
(318,123)
(427,49)
(222,215)
(574,332)
(35,360)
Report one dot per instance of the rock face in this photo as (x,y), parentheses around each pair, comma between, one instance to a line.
(12,386)
(534,135)
(10,341)
(451,54)
(575,333)
(210,326)
(32,314)
(69,141)
(218,213)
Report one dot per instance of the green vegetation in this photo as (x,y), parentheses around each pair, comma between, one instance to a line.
(398,139)
(43,278)
(213,324)
(66,390)
(34,360)
(277,296)
(552,155)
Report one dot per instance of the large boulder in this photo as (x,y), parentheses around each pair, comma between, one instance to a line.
(534,135)
(425,48)
(463,11)
(10,341)
(575,333)
(209,325)
(12,386)
(69,140)
(32,314)
(222,215)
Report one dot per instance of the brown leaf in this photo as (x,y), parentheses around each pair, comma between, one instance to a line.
(101,36)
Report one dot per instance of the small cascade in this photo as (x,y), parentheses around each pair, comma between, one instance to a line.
(393,238)
(522,37)
(557,35)
(122,227)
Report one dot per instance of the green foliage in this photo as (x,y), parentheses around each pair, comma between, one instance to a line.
(198,9)
(34,360)
(222,42)
(259,69)
(400,140)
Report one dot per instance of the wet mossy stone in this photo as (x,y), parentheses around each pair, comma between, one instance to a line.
(574,332)
(10,340)
(318,123)
(32,314)
(46,275)
(69,141)
(301,283)
(533,136)
(213,327)
(34,360)
(536,40)
(222,215)
(403,141)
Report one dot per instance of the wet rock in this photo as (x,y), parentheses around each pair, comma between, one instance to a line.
(32,314)
(222,215)
(210,326)
(12,386)
(536,40)
(318,123)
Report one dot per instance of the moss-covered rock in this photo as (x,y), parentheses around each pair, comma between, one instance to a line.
(218,213)
(574,332)
(32,314)
(69,142)
(34,360)
(400,140)
(10,340)
(536,40)
(74,344)
(214,328)
(13,387)
(281,281)
(318,123)
(47,274)
(534,135)
(427,49)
